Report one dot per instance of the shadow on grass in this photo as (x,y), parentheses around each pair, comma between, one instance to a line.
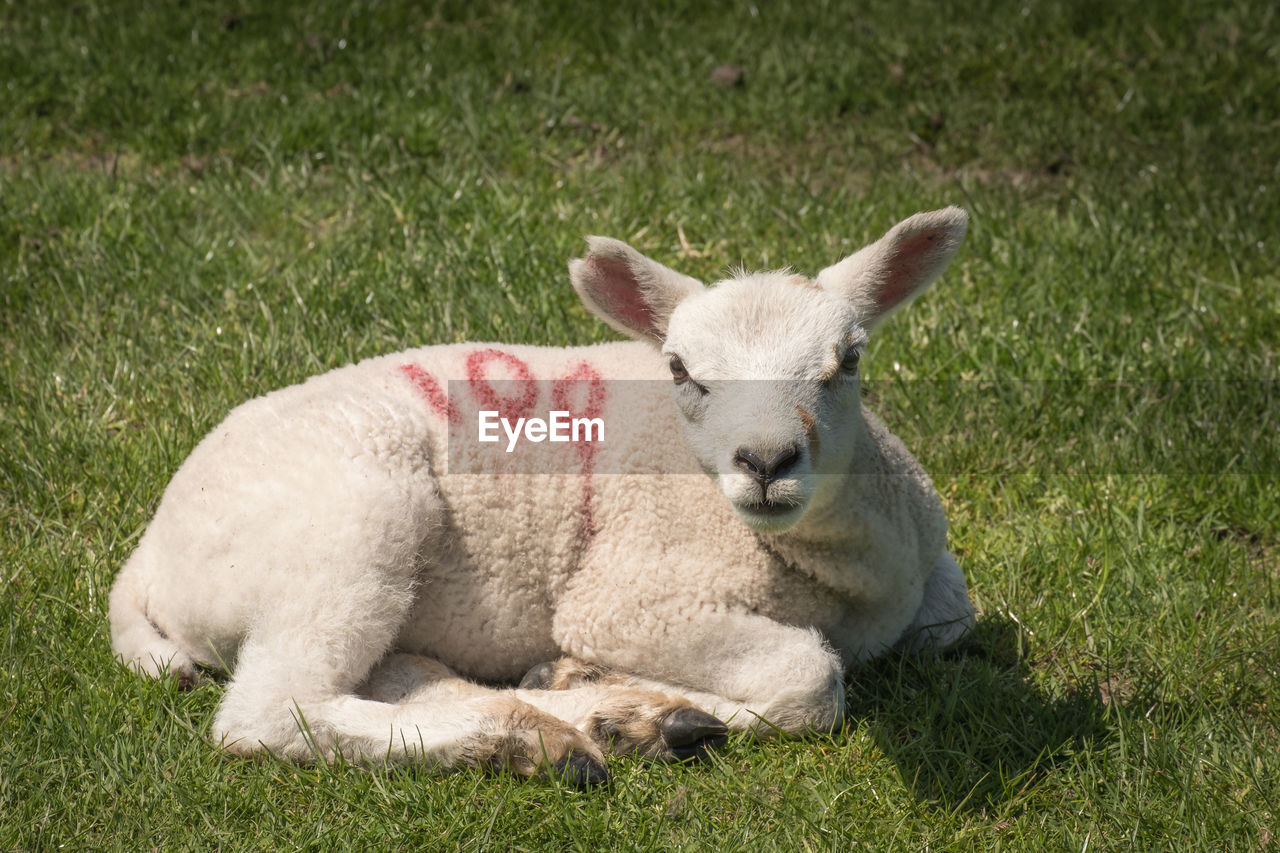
(970,729)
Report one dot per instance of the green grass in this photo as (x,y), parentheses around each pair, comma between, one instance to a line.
(203,201)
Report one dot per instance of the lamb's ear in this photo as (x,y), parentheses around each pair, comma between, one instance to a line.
(900,265)
(628,291)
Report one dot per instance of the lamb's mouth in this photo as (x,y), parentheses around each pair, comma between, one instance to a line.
(769,515)
(770,508)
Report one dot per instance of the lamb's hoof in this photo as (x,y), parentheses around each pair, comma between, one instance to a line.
(188,679)
(539,677)
(690,733)
(581,771)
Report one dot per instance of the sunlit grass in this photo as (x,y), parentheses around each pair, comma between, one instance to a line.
(202,202)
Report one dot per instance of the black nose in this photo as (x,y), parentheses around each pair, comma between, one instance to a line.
(763,471)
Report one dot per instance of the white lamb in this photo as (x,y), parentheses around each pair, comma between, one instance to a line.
(317,546)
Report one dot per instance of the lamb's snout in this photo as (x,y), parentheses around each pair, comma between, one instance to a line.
(765,471)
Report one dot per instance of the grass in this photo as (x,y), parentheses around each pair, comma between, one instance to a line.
(203,201)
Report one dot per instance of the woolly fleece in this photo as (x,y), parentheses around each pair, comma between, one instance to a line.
(331,548)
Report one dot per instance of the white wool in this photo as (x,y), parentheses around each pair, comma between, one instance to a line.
(324,527)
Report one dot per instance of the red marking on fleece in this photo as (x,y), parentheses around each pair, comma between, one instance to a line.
(436,398)
(560,390)
(511,408)
(522,406)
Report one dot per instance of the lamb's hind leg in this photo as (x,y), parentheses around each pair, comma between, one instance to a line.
(272,705)
(620,720)
(331,608)
(509,733)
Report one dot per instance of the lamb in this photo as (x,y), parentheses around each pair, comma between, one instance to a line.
(331,546)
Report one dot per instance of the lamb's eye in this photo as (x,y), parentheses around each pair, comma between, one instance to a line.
(849,364)
(678,373)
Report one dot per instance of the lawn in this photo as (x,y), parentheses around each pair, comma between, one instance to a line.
(203,201)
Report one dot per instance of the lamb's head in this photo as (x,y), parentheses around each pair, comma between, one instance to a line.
(765,365)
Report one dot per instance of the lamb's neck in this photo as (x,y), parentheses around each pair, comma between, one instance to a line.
(841,504)
(883,512)
(825,559)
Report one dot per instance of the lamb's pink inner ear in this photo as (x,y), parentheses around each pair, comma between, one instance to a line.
(913,261)
(613,287)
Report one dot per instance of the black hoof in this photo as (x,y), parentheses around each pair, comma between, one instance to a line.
(581,771)
(690,733)
(539,677)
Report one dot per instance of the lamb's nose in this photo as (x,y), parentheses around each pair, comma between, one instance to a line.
(763,471)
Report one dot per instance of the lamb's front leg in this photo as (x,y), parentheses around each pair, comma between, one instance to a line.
(620,720)
(746,669)
(946,613)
